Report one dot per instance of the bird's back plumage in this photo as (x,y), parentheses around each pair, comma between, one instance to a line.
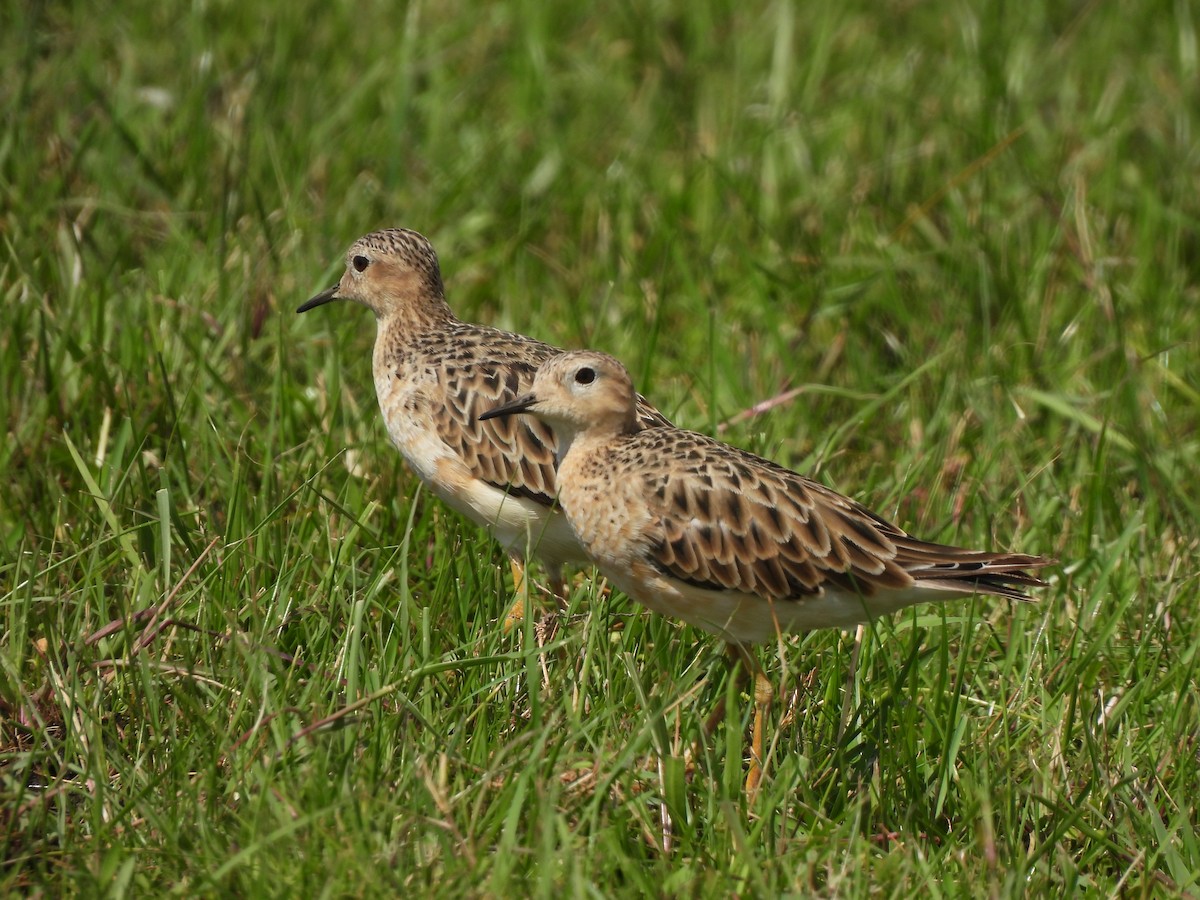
(727,540)
(721,518)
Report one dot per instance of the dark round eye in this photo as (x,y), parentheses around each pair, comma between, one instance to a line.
(360,263)
(585,376)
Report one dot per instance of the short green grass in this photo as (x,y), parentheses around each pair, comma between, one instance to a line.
(243,653)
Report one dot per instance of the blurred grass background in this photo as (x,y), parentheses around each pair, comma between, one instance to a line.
(243,654)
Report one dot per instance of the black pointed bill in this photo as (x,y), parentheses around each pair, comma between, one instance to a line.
(326,296)
(520,405)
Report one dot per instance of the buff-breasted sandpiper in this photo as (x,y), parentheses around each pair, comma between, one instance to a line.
(434,374)
(728,541)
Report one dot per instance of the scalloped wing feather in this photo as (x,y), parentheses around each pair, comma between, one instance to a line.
(728,520)
(480,368)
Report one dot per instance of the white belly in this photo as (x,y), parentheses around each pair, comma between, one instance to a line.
(750,619)
(522,526)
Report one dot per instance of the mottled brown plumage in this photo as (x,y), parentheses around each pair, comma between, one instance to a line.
(724,539)
(434,375)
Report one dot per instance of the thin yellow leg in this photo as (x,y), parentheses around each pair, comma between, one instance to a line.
(523,589)
(764,695)
(516,612)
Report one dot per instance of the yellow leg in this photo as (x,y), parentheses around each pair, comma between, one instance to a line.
(516,612)
(764,695)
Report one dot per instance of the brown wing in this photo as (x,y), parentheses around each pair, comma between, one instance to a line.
(730,520)
(514,453)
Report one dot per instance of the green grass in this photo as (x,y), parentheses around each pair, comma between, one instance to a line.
(969,236)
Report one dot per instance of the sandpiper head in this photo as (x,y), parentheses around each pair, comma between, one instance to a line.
(390,271)
(580,390)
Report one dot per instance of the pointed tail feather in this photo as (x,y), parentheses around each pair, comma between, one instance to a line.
(1001,574)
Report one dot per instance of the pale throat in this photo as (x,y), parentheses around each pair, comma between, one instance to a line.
(564,436)
(569,436)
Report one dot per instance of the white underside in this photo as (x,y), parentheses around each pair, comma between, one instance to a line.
(748,618)
(523,527)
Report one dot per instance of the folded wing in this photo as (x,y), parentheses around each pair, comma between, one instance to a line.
(728,520)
